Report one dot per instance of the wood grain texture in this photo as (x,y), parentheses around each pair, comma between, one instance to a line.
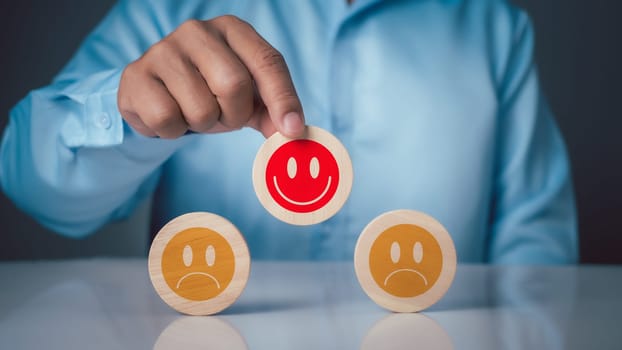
(379,295)
(344,164)
(239,261)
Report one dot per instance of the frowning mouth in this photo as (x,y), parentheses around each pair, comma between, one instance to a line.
(318,198)
(198,273)
(386,280)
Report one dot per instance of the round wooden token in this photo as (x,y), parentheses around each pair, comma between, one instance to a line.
(303,181)
(199,263)
(405,260)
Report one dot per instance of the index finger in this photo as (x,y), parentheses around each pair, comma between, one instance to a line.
(270,73)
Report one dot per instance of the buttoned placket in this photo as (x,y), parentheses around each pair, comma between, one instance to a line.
(333,235)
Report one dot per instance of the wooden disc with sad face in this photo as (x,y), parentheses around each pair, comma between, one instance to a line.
(303,181)
(405,260)
(199,263)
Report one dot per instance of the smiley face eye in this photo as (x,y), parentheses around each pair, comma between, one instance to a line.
(292,167)
(314,167)
(418,252)
(395,252)
(210,255)
(187,255)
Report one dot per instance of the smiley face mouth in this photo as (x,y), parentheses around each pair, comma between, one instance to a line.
(198,273)
(291,201)
(386,280)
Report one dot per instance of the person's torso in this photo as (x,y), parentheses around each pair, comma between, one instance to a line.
(407,88)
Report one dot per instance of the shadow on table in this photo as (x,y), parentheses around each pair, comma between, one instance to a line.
(262,306)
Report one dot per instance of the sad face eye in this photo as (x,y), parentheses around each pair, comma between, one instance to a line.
(418,252)
(314,167)
(210,255)
(395,252)
(187,256)
(292,167)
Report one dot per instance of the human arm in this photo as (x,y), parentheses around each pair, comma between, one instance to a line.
(533,218)
(68,157)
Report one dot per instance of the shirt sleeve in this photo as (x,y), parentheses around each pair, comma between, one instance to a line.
(533,215)
(67,158)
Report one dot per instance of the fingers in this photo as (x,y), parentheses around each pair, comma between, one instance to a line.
(261,120)
(159,111)
(186,85)
(271,75)
(212,76)
(135,122)
(149,109)
(227,78)
(265,125)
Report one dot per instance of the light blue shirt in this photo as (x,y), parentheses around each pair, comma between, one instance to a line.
(438,103)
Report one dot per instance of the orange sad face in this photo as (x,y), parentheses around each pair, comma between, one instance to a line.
(198,263)
(405,260)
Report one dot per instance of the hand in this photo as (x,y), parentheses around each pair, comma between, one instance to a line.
(208,77)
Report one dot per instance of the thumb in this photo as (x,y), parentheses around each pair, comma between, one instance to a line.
(291,125)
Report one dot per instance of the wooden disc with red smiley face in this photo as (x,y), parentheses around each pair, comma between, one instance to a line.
(303,181)
(199,263)
(405,260)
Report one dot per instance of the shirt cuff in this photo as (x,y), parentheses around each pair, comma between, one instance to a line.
(97,122)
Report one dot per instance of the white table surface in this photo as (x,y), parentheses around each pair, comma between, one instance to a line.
(110,304)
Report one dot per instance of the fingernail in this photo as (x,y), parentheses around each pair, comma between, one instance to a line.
(292,124)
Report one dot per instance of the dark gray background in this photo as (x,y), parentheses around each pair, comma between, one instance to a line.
(579,57)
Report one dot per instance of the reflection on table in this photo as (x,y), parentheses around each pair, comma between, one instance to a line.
(106,304)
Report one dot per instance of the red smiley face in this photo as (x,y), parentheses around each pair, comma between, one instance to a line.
(302,176)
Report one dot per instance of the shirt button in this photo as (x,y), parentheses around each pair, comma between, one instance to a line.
(103,121)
